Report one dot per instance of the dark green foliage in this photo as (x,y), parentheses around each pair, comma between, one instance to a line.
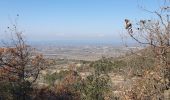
(118,65)
(95,87)
(98,85)
(5,90)
(51,78)
(14,91)
(22,91)
(102,66)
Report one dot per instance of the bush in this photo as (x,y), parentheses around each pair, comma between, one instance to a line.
(51,78)
(5,90)
(98,85)
(102,66)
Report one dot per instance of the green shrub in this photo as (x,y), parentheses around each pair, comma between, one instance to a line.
(5,91)
(51,78)
(102,66)
(98,85)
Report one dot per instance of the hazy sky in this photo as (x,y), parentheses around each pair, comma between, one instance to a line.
(71,19)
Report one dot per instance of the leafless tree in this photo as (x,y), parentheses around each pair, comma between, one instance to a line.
(19,64)
(155,34)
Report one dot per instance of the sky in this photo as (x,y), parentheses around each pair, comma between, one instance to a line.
(71,19)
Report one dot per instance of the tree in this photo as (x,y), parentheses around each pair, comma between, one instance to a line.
(20,65)
(155,34)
